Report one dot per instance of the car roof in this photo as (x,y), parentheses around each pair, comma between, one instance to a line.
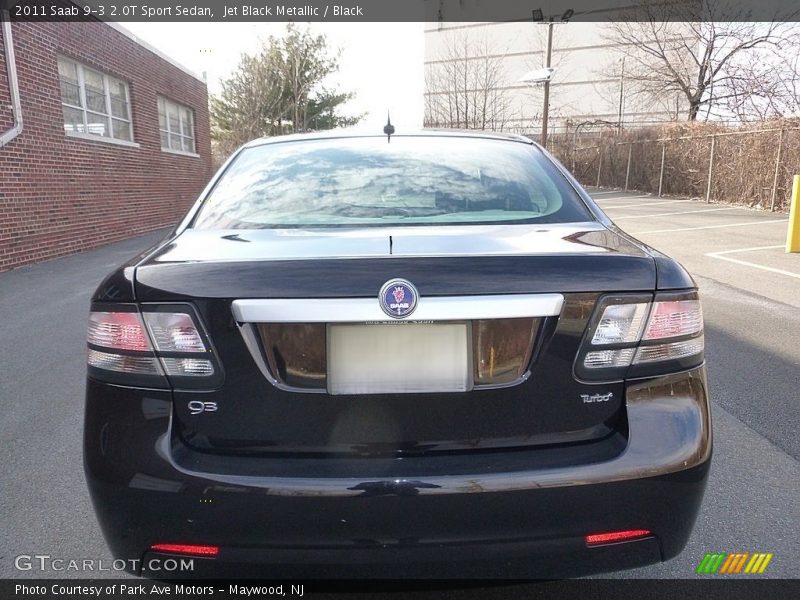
(369,133)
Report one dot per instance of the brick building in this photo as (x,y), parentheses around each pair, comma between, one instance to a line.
(114,138)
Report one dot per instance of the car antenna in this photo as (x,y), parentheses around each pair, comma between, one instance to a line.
(388,129)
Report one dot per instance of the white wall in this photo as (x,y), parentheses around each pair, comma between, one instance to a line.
(584,87)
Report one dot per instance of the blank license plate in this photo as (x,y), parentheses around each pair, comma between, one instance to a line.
(408,358)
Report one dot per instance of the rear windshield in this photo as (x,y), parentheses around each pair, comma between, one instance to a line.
(408,181)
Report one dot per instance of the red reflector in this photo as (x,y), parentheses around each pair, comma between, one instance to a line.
(616,536)
(186,549)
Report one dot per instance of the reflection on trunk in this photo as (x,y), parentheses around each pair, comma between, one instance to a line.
(502,349)
(296,353)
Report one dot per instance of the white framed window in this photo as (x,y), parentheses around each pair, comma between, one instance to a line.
(94,103)
(176,125)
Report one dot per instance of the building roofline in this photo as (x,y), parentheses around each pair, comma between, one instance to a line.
(134,38)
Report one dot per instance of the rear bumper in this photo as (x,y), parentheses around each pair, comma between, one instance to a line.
(509,518)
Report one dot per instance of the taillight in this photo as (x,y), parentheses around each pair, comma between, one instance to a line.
(636,335)
(179,343)
(174,332)
(119,348)
(161,344)
(611,537)
(118,330)
(190,549)
(674,318)
(122,363)
(620,324)
(671,351)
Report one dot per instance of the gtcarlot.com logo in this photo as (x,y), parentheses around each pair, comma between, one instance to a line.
(46,562)
(734,563)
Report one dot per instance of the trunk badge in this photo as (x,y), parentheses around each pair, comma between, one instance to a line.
(398,298)
(593,398)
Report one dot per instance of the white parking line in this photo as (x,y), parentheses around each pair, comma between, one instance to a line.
(606,192)
(619,198)
(752,249)
(746,263)
(604,207)
(708,227)
(667,214)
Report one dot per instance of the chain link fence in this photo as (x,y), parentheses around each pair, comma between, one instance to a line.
(752,166)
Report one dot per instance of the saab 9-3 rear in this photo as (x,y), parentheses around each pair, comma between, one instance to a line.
(427,355)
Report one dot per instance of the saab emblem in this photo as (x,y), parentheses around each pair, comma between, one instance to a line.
(398,298)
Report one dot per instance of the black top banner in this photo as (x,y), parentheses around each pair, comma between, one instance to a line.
(430,11)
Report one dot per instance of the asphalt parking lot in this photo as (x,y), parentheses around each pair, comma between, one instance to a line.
(752,317)
(751,294)
(737,246)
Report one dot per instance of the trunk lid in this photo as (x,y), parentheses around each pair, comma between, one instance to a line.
(548,406)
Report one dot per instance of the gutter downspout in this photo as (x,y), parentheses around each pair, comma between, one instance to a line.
(13,83)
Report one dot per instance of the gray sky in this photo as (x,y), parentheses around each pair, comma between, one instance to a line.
(381,62)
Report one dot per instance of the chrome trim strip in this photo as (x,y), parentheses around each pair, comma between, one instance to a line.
(359,310)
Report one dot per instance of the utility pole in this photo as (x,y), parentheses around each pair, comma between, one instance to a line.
(538,17)
(546,108)
(621,96)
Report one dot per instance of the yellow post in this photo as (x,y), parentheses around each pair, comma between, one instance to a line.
(793,235)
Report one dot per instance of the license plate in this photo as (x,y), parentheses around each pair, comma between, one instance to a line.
(398,358)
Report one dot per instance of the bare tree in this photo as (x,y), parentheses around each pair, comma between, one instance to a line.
(465,87)
(765,86)
(720,64)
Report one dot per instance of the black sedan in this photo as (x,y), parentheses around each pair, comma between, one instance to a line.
(424,355)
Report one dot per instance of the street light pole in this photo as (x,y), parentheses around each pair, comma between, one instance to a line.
(546,108)
(621,95)
(538,17)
